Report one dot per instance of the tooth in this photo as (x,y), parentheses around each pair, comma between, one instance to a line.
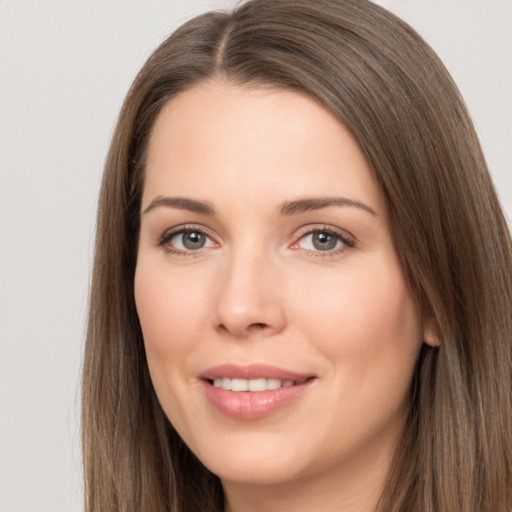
(257,385)
(273,383)
(226,384)
(254,385)
(239,385)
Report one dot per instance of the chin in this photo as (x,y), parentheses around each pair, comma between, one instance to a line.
(252,463)
(260,474)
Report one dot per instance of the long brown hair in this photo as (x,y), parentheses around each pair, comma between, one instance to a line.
(390,90)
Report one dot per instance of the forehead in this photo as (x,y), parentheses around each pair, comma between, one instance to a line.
(252,142)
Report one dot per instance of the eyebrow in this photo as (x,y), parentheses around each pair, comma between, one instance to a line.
(287,208)
(182,203)
(308,204)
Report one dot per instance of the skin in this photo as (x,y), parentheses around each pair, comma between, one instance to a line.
(260,291)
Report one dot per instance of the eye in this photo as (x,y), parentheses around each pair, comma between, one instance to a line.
(186,240)
(324,241)
(321,241)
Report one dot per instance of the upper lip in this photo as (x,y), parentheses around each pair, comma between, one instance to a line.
(252,371)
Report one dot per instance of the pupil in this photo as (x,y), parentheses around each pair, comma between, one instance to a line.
(193,240)
(324,241)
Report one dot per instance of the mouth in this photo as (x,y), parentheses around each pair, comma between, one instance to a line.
(250,392)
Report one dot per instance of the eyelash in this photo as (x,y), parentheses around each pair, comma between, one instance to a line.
(348,242)
(169,235)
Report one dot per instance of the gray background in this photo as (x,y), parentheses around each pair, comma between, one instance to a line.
(64,69)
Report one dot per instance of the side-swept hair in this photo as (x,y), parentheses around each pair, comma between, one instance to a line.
(383,82)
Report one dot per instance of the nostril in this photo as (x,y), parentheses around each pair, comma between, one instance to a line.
(258,325)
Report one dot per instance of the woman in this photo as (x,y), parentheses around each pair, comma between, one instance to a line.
(302,290)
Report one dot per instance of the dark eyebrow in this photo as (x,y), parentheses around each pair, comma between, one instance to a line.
(181,203)
(307,204)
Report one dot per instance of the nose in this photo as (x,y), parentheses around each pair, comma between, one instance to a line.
(249,299)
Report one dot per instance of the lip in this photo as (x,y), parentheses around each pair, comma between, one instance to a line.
(249,405)
(252,371)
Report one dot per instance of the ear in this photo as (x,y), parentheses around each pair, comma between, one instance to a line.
(431,333)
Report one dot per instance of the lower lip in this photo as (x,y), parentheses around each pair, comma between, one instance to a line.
(252,405)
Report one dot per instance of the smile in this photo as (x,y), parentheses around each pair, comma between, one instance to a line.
(251,392)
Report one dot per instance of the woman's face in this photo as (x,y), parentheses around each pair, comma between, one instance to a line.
(280,333)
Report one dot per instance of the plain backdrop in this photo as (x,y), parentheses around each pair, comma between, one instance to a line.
(64,69)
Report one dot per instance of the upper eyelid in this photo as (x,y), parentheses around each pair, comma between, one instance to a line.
(304,230)
(184,228)
(343,233)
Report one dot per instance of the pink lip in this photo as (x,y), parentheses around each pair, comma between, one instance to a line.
(251,371)
(249,405)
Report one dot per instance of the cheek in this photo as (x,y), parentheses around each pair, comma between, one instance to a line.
(171,320)
(363,315)
(366,326)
